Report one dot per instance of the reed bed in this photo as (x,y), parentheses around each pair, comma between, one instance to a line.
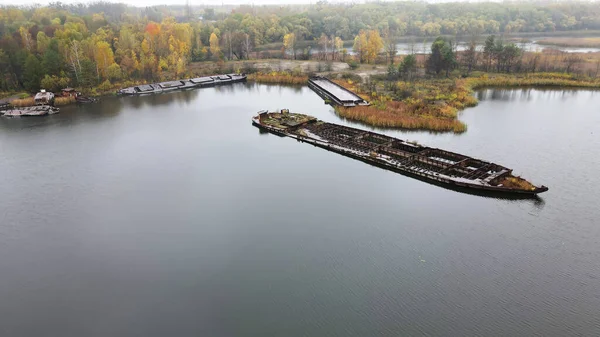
(432,106)
(583,42)
(278,77)
(64,100)
(398,117)
(531,80)
(23,102)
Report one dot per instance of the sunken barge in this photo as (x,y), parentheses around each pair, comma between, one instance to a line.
(436,166)
(37,110)
(335,93)
(192,83)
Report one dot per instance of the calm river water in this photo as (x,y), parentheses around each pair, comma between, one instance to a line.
(171,215)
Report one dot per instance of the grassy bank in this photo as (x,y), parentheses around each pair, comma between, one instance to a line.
(434,104)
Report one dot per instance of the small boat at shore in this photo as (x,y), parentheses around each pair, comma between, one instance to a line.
(436,166)
(39,110)
(199,82)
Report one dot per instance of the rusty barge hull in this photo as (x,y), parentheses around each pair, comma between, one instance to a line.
(335,93)
(187,84)
(439,167)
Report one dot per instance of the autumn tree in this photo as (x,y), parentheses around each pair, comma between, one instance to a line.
(368,44)
(374,45)
(26,39)
(338,44)
(104,58)
(289,43)
(360,45)
(215,50)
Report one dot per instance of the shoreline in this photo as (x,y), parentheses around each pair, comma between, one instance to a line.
(432,104)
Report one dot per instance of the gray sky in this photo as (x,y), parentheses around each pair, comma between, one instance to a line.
(143,3)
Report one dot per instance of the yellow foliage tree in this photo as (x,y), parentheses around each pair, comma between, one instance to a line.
(214,45)
(368,44)
(103,55)
(374,45)
(338,44)
(360,45)
(289,43)
(26,38)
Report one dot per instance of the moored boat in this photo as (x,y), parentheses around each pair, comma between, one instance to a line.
(433,165)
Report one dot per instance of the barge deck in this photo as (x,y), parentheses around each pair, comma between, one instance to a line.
(436,166)
(334,92)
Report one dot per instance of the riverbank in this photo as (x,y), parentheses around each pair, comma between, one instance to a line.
(434,105)
(582,42)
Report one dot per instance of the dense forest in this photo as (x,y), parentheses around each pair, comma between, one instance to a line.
(103,43)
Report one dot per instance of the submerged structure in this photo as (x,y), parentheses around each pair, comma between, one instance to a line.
(199,82)
(38,110)
(433,165)
(335,93)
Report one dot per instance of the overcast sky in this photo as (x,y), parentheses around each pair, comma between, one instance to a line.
(143,3)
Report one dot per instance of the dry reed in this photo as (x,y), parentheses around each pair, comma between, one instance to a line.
(29,101)
(278,78)
(64,100)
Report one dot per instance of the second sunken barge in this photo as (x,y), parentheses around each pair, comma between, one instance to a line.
(440,167)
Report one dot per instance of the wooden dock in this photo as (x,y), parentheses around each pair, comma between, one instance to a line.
(335,93)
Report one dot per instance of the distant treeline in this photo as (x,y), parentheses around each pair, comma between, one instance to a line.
(100,43)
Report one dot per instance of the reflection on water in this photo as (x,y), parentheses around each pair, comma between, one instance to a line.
(171,213)
(424,47)
(528,94)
